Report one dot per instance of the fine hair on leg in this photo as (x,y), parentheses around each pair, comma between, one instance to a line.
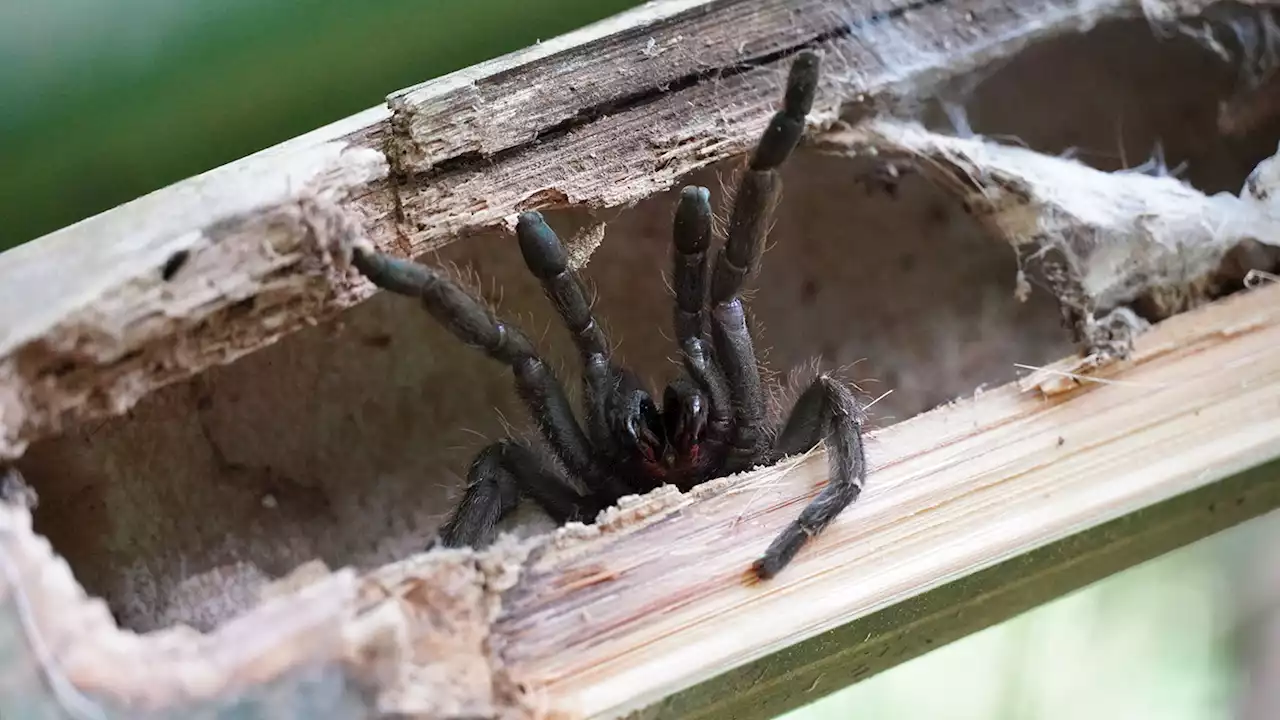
(498,478)
(826,411)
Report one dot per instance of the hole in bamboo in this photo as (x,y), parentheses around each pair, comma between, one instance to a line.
(1111,96)
(347,442)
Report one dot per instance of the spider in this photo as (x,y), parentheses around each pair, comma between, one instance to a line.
(710,421)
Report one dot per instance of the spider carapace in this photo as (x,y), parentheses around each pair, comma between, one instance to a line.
(711,421)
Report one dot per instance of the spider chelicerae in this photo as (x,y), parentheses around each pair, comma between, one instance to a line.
(711,421)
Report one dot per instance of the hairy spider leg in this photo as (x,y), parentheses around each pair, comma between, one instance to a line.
(498,478)
(472,322)
(691,237)
(612,394)
(826,410)
(752,212)
(547,259)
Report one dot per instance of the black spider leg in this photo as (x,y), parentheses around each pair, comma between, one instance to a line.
(753,207)
(827,410)
(488,495)
(603,383)
(498,478)
(691,237)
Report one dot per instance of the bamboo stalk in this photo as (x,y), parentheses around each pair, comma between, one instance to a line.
(973,512)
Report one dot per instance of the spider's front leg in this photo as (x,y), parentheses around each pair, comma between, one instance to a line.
(493,473)
(752,213)
(619,413)
(828,411)
(691,237)
(547,260)
(473,323)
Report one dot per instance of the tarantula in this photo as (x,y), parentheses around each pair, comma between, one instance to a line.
(711,421)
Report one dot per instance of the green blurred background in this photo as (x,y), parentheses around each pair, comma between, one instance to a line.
(103,102)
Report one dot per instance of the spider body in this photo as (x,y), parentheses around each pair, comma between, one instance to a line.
(709,422)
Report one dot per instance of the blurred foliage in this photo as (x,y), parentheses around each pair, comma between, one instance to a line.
(1154,641)
(103,102)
